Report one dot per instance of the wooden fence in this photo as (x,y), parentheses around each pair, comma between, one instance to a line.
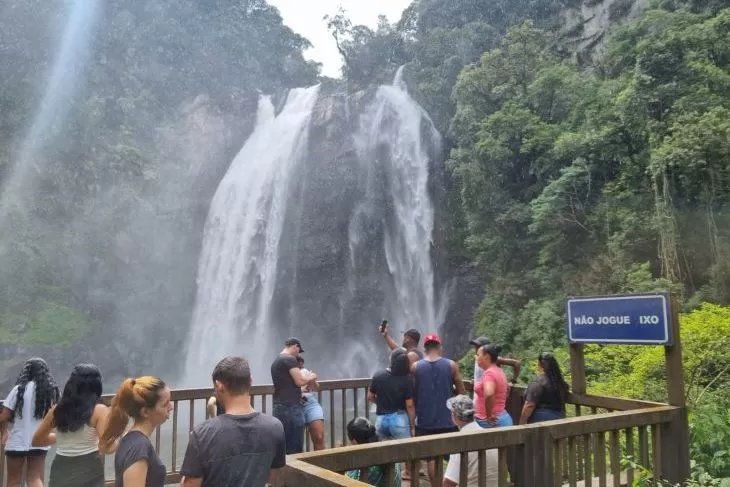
(588,448)
(606,442)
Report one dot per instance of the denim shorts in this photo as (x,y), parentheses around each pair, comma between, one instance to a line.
(312,409)
(503,419)
(393,426)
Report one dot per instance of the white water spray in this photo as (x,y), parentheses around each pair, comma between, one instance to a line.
(238,263)
(397,133)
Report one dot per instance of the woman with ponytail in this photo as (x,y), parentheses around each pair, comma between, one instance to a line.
(360,431)
(147,401)
(490,393)
(35,392)
(78,420)
(547,393)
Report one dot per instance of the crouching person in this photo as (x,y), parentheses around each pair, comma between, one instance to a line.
(462,414)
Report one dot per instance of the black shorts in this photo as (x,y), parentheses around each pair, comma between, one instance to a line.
(33,452)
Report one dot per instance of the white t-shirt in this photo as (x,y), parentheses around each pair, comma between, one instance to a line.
(21,430)
(454,466)
(306,374)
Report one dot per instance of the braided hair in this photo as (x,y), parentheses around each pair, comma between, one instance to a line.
(554,375)
(46,391)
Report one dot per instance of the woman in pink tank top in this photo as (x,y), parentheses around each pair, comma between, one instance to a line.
(490,393)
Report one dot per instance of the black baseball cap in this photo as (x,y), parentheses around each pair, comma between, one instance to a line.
(480,341)
(294,341)
(413,333)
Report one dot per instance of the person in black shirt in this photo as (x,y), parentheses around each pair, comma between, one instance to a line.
(288,381)
(547,393)
(392,392)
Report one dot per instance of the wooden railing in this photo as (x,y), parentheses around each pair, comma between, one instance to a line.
(606,442)
(570,452)
(575,451)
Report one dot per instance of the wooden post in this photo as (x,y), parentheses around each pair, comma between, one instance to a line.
(675,434)
(577,368)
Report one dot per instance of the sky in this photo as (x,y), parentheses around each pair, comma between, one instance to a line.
(305,17)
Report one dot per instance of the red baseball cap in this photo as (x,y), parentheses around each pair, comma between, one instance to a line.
(433,338)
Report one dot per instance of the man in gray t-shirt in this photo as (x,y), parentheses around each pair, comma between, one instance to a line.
(242,447)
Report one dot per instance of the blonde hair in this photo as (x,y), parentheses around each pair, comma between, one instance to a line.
(133,395)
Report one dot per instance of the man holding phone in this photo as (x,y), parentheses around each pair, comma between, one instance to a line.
(411,339)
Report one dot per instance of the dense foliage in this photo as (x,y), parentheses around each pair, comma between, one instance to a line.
(579,175)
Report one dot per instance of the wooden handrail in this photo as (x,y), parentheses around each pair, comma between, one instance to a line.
(318,468)
(598,423)
(258,390)
(359,456)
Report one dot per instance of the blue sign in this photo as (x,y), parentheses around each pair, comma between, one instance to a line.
(638,319)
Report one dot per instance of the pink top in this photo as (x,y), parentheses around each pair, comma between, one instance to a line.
(496,375)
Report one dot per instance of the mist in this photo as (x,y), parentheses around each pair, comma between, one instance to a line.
(113,175)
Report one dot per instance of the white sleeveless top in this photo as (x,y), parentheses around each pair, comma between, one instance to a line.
(76,443)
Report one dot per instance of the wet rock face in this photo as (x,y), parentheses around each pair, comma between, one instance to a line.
(333,289)
(584,27)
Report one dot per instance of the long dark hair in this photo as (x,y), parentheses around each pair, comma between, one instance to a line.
(400,364)
(553,374)
(361,430)
(80,395)
(46,392)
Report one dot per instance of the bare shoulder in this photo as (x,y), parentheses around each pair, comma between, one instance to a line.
(100,411)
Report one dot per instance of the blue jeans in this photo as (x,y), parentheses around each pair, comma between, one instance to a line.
(503,419)
(292,418)
(393,426)
(545,414)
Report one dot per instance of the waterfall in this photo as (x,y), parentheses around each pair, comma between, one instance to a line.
(396,134)
(238,263)
(321,227)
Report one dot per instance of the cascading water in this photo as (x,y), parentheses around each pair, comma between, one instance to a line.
(397,134)
(321,227)
(238,263)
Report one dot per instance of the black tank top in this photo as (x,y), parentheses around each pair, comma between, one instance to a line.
(418,352)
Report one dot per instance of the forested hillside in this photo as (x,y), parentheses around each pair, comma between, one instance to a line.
(585,171)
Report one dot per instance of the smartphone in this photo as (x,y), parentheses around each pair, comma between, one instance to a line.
(383,325)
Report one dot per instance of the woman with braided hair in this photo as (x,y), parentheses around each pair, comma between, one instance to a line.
(35,392)
(547,393)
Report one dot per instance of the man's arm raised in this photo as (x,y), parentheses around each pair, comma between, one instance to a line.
(511,362)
